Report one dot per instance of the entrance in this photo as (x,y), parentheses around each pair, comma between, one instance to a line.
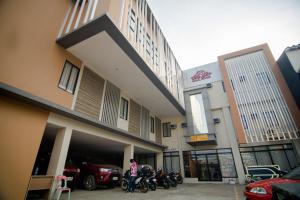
(208,168)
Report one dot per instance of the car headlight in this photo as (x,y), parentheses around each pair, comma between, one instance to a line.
(104,170)
(258,190)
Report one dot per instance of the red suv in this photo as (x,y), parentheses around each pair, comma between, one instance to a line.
(73,174)
(262,190)
(94,175)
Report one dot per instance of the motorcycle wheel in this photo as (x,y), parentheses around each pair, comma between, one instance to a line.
(143,186)
(124,185)
(166,184)
(152,186)
(179,179)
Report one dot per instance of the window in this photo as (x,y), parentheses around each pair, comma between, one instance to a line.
(148,46)
(244,121)
(223,86)
(69,77)
(171,162)
(242,78)
(167,129)
(232,84)
(263,78)
(270,119)
(198,114)
(152,124)
(132,25)
(254,116)
(124,109)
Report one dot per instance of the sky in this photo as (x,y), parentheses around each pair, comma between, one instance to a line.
(200,30)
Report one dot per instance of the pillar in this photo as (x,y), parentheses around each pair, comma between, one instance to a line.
(128,154)
(59,154)
(159,160)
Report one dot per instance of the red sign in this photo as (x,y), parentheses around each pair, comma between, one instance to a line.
(201,75)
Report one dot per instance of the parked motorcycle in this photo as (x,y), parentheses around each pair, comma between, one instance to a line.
(179,178)
(172,179)
(140,182)
(150,178)
(162,179)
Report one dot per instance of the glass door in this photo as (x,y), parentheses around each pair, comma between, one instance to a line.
(202,168)
(208,168)
(214,168)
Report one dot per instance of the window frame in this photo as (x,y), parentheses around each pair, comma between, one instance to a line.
(69,75)
(152,124)
(168,127)
(124,112)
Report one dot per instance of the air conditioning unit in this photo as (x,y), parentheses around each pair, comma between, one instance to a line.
(183,125)
(173,126)
(209,85)
(217,120)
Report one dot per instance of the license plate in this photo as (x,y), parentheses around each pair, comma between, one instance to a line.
(70,178)
(115,178)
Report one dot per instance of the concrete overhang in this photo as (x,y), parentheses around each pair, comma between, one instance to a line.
(103,47)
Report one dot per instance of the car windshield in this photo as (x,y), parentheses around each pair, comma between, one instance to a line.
(294,174)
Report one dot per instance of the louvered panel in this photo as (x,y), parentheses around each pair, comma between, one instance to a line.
(134,118)
(90,94)
(110,105)
(158,138)
(145,119)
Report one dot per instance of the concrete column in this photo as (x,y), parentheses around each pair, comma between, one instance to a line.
(59,155)
(234,145)
(59,152)
(128,154)
(159,160)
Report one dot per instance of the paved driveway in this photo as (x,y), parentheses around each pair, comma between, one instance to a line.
(182,192)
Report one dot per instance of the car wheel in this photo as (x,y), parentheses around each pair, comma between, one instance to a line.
(124,185)
(89,182)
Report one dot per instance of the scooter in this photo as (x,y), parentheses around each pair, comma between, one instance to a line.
(140,182)
(179,178)
(172,179)
(149,174)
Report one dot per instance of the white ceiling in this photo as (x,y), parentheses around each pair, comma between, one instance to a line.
(104,56)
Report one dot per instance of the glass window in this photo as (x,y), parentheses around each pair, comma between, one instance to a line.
(244,121)
(242,78)
(132,22)
(69,77)
(280,159)
(167,129)
(292,158)
(171,162)
(198,114)
(263,158)
(124,109)
(227,165)
(152,124)
(248,159)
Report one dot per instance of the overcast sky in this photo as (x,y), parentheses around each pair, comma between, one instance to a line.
(200,30)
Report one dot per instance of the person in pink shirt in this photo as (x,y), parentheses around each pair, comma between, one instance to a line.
(133,175)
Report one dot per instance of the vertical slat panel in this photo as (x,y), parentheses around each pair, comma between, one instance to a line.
(134,118)
(110,105)
(90,94)
(158,137)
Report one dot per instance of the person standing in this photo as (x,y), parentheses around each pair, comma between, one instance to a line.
(133,175)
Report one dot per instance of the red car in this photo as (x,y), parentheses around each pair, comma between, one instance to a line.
(262,190)
(94,175)
(73,174)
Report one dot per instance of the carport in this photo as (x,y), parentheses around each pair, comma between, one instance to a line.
(68,138)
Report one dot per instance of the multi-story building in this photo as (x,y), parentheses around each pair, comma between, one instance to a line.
(86,78)
(265,115)
(203,145)
(289,64)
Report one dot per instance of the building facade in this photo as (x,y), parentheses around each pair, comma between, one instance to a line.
(264,113)
(85,80)
(289,64)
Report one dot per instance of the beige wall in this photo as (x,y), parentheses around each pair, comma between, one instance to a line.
(21,129)
(30,59)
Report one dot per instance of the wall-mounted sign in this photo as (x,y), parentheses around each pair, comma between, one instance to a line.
(201,75)
(199,138)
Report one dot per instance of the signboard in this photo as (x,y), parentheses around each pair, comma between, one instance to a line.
(199,138)
(201,75)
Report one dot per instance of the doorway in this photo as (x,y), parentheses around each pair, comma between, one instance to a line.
(208,168)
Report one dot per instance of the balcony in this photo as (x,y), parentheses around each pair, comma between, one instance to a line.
(99,32)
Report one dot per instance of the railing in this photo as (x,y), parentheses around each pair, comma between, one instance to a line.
(79,13)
